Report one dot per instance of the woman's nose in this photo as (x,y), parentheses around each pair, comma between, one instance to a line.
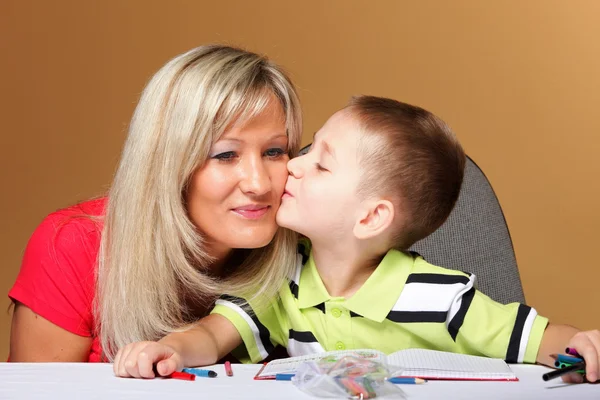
(255,178)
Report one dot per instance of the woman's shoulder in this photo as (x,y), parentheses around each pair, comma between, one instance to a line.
(89,209)
(87,216)
(71,233)
(58,270)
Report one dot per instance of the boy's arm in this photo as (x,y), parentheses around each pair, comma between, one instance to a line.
(209,340)
(557,338)
(203,344)
(554,341)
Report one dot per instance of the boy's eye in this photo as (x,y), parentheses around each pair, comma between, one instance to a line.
(320,167)
(226,156)
(275,152)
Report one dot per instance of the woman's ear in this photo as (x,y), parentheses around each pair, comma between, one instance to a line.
(374,218)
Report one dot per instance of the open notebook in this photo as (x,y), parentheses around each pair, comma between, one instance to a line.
(418,363)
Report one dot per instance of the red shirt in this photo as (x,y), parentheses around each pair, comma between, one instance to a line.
(57,279)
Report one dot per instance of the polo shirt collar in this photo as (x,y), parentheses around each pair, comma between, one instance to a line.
(374,299)
(311,290)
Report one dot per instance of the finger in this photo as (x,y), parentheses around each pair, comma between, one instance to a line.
(121,370)
(152,354)
(131,363)
(145,365)
(116,362)
(589,353)
(572,378)
(166,367)
(592,367)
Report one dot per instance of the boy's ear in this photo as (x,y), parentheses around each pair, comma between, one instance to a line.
(373,219)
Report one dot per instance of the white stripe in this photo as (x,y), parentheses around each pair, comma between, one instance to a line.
(525,335)
(296,348)
(296,277)
(457,301)
(261,349)
(420,296)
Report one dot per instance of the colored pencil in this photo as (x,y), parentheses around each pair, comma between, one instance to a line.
(204,373)
(560,372)
(409,381)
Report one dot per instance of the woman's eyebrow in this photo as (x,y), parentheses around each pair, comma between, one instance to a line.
(275,136)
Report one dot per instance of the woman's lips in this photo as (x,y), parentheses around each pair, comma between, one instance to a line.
(251,212)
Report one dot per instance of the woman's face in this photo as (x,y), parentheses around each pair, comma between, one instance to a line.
(233,198)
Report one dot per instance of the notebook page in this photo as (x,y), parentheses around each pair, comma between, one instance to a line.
(291,365)
(443,365)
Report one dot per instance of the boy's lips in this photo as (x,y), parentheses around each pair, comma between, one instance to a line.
(286,194)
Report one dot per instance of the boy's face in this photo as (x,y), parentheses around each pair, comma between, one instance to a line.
(320,198)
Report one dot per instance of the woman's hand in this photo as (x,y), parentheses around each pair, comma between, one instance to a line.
(137,360)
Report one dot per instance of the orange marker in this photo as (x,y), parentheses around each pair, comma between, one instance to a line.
(228,369)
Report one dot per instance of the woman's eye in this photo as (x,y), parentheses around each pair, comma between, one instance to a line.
(275,152)
(226,156)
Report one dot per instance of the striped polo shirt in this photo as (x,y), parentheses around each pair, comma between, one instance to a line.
(405,303)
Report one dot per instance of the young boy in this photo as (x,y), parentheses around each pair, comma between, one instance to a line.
(380,176)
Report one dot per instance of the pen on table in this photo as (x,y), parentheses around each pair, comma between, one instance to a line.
(228,370)
(205,373)
(284,377)
(409,381)
(560,372)
(185,376)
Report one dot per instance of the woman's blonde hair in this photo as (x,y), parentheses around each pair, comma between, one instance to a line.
(153,270)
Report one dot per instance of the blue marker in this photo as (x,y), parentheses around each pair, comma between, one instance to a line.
(409,381)
(284,377)
(568,359)
(205,373)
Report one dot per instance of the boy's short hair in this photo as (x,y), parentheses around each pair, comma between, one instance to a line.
(411,157)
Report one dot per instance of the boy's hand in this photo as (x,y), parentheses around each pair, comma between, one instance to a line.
(587,344)
(137,360)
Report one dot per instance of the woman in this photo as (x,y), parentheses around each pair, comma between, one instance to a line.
(190,214)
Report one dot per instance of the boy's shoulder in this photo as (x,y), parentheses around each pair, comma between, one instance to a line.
(422,266)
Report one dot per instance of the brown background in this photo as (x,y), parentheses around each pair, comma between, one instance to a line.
(518,81)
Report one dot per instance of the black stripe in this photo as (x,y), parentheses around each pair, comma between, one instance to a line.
(302,251)
(294,288)
(304,337)
(235,300)
(321,306)
(459,318)
(417,316)
(263,332)
(439,279)
(512,353)
(353,314)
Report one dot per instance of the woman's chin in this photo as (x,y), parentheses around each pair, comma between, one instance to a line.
(255,239)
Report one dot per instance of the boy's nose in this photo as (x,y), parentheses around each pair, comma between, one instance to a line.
(294,167)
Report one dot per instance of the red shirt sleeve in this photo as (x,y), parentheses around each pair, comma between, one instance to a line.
(58,272)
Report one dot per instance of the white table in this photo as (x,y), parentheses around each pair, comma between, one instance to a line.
(96,381)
